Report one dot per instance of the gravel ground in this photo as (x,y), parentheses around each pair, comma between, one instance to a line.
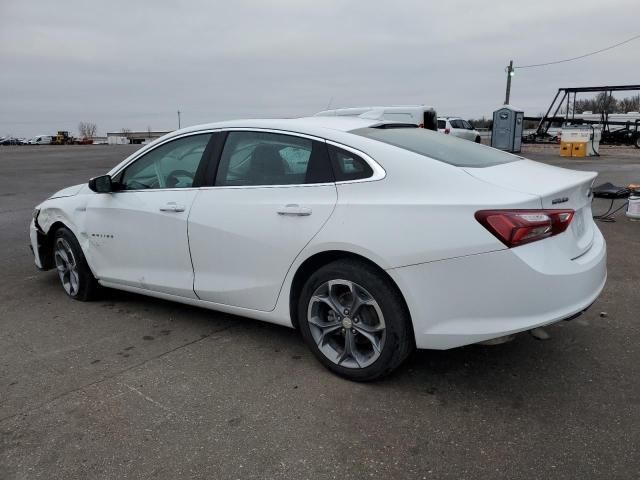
(133,387)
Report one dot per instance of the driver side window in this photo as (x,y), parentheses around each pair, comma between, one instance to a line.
(172,165)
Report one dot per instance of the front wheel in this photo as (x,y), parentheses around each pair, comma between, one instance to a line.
(478,140)
(77,280)
(354,320)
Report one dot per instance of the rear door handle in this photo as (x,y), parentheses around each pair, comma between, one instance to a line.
(172,207)
(294,210)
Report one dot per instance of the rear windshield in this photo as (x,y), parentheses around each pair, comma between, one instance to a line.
(445,148)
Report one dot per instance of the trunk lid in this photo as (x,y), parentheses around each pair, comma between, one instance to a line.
(558,188)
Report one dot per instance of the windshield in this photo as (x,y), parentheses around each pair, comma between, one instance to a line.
(445,148)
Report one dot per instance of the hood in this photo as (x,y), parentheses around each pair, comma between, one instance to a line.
(69,191)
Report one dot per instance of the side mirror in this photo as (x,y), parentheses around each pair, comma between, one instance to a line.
(101,184)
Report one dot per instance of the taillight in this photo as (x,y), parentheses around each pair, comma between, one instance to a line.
(517,227)
(421,125)
(446,130)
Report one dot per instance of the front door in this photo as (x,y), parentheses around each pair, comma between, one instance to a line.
(138,234)
(272,194)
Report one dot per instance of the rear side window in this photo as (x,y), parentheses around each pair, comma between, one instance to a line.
(442,124)
(444,148)
(261,158)
(348,166)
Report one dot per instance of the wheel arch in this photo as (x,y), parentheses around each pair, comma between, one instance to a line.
(45,247)
(318,260)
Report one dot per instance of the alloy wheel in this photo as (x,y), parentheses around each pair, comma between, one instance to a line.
(346,323)
(67,267)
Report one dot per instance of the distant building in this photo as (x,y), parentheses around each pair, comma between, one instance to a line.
(123,138)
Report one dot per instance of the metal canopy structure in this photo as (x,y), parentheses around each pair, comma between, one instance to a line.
(564,94)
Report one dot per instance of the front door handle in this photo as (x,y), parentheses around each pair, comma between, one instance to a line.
(294,210)
(172,207)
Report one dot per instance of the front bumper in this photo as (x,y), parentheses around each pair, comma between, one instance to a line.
(470,299)
(40,248)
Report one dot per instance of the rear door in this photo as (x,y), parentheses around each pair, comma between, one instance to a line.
(272,192)
(429,120)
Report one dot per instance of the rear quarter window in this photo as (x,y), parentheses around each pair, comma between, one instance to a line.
(348,166)
(444,148)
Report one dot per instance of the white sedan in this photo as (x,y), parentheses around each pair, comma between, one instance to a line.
(370,239)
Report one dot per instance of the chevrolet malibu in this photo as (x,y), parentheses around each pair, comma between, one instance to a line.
(372,239)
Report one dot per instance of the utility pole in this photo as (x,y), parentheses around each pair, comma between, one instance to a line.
(510,72)
(178,119)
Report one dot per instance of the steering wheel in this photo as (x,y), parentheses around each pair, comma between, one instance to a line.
(172,179)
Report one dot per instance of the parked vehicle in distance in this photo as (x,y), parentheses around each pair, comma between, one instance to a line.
(41,140)
(458,127)
(63,138)
(370,239)
(423,116)
(10,141)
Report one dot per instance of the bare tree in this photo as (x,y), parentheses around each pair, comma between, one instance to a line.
(605,103)
(629,104)
(87,130)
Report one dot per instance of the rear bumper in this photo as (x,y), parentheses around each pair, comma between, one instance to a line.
(470,299)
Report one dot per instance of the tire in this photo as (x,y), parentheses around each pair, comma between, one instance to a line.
(637,142)
(346,343)
(75,276)
(478,140)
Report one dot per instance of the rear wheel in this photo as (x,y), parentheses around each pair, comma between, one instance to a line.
(478,139)
(354,321)
(637,142)
(75,276)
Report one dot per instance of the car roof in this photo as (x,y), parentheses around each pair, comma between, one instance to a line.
(315,126)
(330,128)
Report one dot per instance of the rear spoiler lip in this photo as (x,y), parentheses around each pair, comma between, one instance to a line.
(579,178)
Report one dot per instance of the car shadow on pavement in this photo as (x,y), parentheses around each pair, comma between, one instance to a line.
(512,374)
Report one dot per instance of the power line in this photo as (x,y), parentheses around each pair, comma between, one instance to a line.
(580,56)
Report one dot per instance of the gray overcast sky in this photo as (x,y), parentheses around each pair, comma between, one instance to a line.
(134,63)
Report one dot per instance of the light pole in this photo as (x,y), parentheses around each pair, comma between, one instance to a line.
(178,119)
(510,72)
